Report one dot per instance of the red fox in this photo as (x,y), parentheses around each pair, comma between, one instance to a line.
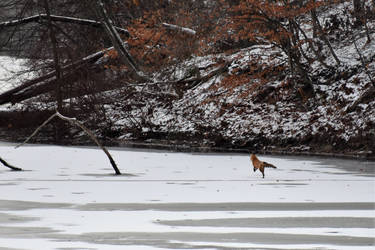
(260,164)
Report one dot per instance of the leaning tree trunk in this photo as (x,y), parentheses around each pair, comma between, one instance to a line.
(323,35)
(117,42)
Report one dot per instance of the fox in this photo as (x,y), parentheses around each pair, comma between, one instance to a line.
(260,164)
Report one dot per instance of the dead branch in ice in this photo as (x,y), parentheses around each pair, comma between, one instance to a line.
(64,19)
(6,164)
(180,29)
(79,124)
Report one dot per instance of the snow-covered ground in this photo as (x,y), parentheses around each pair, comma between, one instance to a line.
(12,71)
(69,198)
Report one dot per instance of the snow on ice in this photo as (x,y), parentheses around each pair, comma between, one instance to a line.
(68,197)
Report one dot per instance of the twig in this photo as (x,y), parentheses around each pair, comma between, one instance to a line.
(37,130)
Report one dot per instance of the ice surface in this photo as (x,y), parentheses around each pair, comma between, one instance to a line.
(68,197)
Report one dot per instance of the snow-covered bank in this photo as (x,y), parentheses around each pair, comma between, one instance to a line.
(235,108)
(68,197)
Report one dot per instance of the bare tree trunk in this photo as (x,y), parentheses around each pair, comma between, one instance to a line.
(323,36)
(316,52)
(295,55)
(56,62)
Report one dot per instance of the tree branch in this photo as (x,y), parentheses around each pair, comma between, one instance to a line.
(180,29)
(6,164)
(63,19)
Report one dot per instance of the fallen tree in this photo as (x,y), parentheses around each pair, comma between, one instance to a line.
(10,96)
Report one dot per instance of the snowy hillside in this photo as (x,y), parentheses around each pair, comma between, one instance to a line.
(340,117)
(225,110)
(69,199)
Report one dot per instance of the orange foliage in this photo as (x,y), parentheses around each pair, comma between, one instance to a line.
(154,45)
(112,54)
(263,22)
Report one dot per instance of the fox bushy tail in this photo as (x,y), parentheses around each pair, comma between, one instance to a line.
(268,165)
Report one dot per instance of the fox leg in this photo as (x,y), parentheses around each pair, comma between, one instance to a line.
(262,170)
(255,169)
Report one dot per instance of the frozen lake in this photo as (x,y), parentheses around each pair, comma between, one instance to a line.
(69,198)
